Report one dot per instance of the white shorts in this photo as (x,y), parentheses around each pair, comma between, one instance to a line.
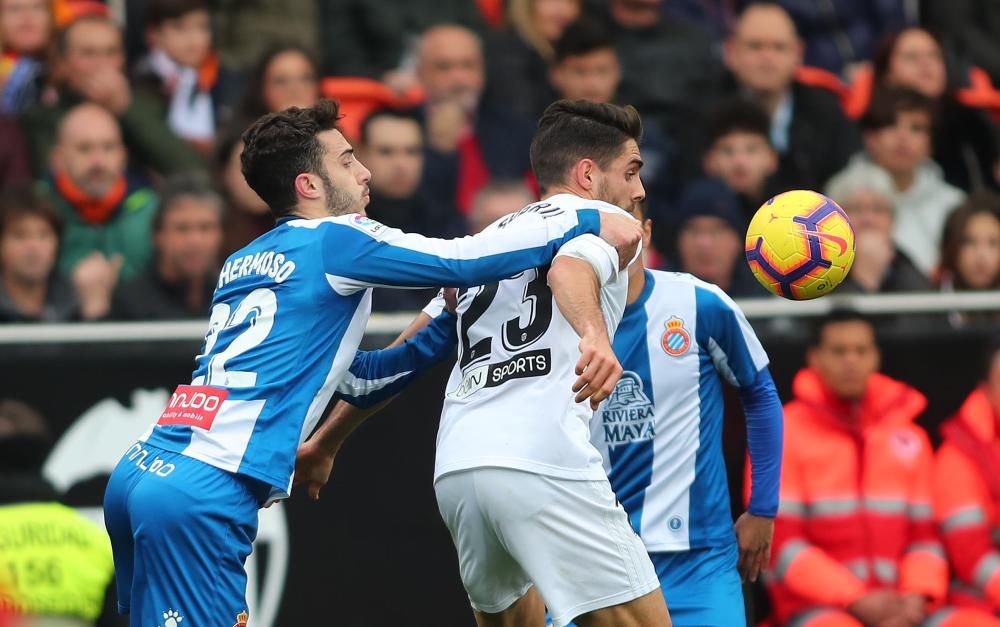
(570,538)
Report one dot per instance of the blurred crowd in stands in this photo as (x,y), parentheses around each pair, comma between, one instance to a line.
(120,173)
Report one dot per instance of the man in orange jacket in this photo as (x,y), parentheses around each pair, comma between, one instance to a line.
(967,492)
(854,539)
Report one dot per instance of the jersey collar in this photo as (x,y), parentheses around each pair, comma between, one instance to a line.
(647,289)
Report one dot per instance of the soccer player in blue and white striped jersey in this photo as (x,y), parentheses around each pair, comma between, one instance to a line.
(287,316)
(660,434)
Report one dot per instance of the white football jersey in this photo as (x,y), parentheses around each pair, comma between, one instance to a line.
(509,400)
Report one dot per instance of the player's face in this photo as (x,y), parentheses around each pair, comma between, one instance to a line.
(345,179)
(25,25)
(395,154)
(901,147)
(709,249)
(190,238)
(979,255)
(918,62)
(186,39)
(743,161)
(764,51)
(28,250)
(870,211)
(290,81)
(594,76)
(90,151)
(620,184)
(846,357)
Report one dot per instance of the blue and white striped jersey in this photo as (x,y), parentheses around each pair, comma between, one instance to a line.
(289,313)
(660,432)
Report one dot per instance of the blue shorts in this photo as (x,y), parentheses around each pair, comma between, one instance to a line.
(181,531)
(702,587)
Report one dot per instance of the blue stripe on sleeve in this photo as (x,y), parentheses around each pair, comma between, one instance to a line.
(764,441)
(358,256)
(378,375)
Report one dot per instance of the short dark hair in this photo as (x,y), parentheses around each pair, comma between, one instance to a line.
(23,201)
(837,315)
(739,116)
(280,146)
(888,102)
(160,11)
(386,113)
(955,226)
(582,37)
(569,131)
(186,185)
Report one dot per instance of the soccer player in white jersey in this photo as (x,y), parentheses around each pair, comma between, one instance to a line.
(519,485)
(287,316)
(660,434)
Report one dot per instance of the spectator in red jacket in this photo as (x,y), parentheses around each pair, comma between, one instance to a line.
(854,540)
(967,491)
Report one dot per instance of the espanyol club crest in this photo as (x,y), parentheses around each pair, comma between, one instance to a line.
(676,340)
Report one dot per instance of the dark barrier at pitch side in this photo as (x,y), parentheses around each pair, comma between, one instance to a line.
(373,552)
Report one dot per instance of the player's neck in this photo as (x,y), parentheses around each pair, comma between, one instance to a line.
(552,190)
(636,282)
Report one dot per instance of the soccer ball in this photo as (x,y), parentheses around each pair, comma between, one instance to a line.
(800,245)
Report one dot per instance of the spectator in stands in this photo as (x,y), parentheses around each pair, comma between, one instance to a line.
(965,141)
(246,217)
(182,70)
(517,58)
(377,39)
(13,154)
(897,131)
(967,491)
(585,67)
(740,153)
(187,238)
(30,286)
(25,32)
(392,148)
(496,200)
(710,228)
(58,568)
(969,28)
(89,68)
(243,30)
(854,455)
(879,265)
(107,214)
(808,128)
(285,76)
(970,253)
(669,70)
(717,17)
(470,140)
(842,34)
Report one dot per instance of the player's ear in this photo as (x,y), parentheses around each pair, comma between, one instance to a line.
(647,233)
(306,186)
(583,173)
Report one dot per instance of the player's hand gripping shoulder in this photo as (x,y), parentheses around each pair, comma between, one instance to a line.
(624,233)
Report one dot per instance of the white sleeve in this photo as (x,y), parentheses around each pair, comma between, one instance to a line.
(436,305)
(599,254)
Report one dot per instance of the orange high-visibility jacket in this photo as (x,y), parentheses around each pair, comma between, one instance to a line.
(855,508)
(966,486)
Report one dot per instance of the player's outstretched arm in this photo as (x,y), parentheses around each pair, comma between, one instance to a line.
(366,254)
(424,342)
(575,286)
